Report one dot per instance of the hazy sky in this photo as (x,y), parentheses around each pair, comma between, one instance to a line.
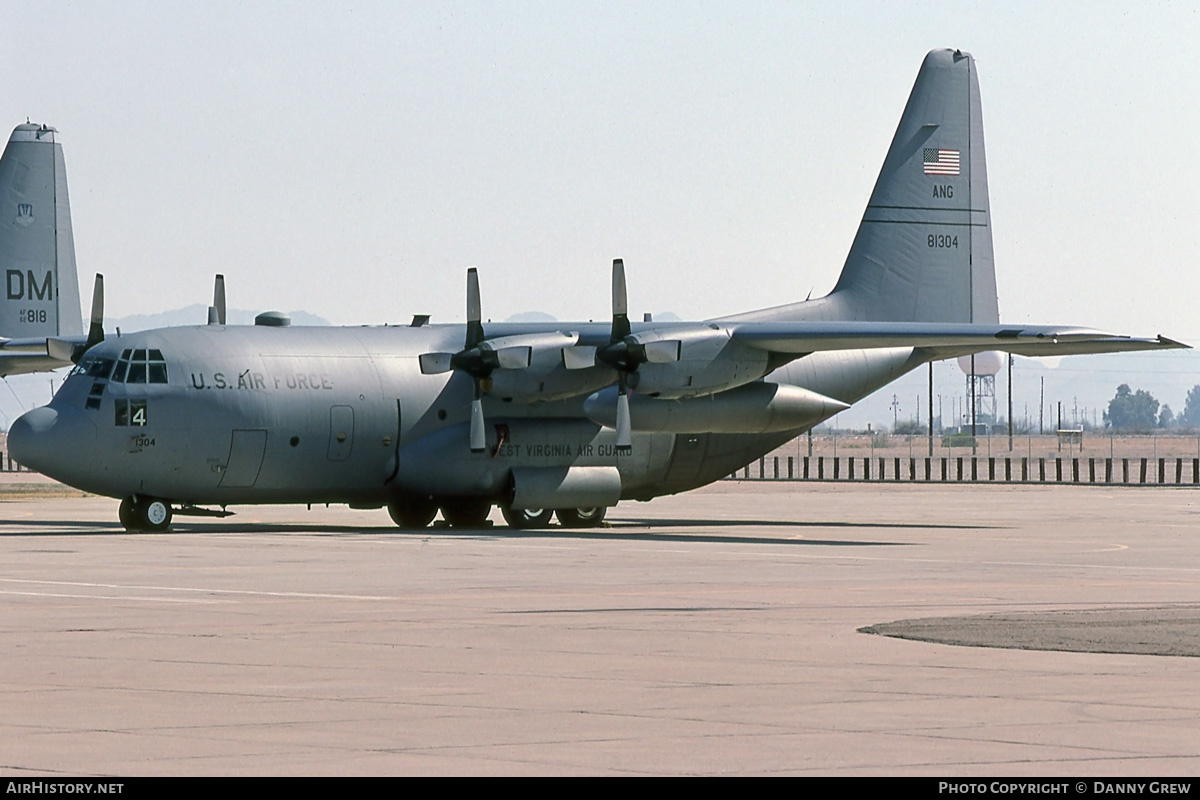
(352,159)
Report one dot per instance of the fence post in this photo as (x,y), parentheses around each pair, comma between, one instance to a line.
(1144,470)
(820,467)
(791,469)
(776,467)
(837,462)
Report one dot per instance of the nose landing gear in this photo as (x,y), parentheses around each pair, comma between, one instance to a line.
(145,514)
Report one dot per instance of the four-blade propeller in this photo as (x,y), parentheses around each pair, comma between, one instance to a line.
(625,352)
(479,358)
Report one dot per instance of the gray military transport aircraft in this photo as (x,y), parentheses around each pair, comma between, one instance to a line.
(561,419)
(37,253)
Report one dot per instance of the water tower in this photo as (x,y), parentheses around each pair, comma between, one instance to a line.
(981,385)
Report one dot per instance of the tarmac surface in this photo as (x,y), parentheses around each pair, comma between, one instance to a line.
(717,632)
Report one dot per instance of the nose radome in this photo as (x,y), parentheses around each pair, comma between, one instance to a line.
(54,442)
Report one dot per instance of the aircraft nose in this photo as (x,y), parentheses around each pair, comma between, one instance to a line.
(54,442)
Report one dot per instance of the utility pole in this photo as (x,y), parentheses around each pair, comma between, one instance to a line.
(1010,425)
(931,409)
(974,446)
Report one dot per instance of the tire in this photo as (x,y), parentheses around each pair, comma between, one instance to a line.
(466,512)
(527,518)
(412,511)
(128,514)
(153,514)
(581,517)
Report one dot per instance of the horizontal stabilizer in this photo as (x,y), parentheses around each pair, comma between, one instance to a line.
(18,363)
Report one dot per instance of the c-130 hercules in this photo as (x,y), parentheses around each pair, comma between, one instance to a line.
(558,419)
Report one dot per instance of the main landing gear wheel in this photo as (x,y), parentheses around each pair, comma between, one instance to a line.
(127,514)
(412,511)
(526,518)
(145,514)
(581,517)
(466,512)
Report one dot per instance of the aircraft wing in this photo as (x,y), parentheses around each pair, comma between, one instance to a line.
(955,339)
(21,356)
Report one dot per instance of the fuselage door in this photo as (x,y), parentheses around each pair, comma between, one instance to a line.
(341,432)
(245,459)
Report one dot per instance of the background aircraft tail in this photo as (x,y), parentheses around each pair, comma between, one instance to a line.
(923,252)
(39,295)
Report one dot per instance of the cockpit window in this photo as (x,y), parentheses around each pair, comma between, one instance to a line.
(141,366)
(100,368)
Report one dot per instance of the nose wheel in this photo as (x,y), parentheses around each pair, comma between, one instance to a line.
(145,514)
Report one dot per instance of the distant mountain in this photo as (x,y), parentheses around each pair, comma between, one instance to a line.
(532,316)
(198,315)
(542,316)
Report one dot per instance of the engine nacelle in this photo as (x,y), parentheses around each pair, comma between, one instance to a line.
(546,378)
(709,361)
(754,408)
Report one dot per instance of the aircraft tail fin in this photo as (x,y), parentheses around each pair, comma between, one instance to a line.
(923,252)
(40,292)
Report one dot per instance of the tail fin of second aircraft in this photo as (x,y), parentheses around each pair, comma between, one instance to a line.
(40,291)
(923,252)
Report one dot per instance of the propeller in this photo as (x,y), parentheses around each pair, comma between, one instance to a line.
(216,312)
(478,358)
(624,353)
(70,351)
